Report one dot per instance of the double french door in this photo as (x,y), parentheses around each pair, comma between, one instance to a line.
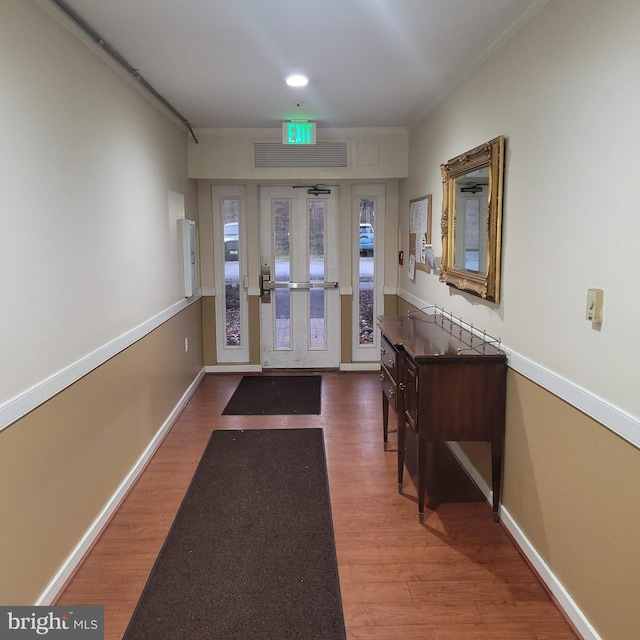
(300,304)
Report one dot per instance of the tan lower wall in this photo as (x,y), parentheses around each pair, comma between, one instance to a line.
(572,487)
(346,331)
(255,356)
(402,307)
(209,351)
(390,305)
(62,462)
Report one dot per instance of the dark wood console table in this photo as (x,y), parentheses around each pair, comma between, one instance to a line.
(447,384)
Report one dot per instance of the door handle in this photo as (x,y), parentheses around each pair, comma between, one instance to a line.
(300,285)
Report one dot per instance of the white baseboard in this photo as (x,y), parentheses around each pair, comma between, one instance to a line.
(233,368)
(564,600)
(360,366)
(253,368)
(94,531)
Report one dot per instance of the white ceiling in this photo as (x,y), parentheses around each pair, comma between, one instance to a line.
(371,63)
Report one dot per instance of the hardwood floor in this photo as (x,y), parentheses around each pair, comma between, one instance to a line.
(457,576)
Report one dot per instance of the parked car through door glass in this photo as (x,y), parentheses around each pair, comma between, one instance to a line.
(231,241)
(366,238)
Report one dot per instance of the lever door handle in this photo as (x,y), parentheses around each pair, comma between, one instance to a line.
(301,285)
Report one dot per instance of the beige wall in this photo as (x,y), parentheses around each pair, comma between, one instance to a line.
(572,487)
(94,177)
(562,92)
(209,330)
(346,330)
(554,90)
(91,173)
(64,461)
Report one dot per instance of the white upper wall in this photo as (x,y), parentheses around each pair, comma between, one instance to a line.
(228,154)
(565,93)
(90,171)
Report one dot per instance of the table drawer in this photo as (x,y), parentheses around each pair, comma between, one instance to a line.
(389,358)
(389,387)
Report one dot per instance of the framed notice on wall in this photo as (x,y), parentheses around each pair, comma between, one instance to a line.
(420,251)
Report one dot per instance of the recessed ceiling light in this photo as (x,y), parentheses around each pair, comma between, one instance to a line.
(297,81)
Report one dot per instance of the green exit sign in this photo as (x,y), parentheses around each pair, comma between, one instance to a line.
(298,133)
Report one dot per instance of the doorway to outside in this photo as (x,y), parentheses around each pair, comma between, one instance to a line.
(300,309)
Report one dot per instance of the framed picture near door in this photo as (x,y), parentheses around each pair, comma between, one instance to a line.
(420,232)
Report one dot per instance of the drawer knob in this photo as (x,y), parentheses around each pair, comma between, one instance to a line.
(402,386)
(382,377)
(383,351)
(392,363)
(391,392)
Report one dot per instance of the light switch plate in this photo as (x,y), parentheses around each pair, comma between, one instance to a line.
(594,305)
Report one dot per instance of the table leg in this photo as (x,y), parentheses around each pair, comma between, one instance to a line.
(401,444)
(422,478)
(385,419)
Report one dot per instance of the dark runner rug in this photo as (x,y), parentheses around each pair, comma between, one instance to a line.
(276,396)
(251,553)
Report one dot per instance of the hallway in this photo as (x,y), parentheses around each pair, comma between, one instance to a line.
(458,576)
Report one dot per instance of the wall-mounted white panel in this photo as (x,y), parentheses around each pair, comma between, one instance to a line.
(187,235)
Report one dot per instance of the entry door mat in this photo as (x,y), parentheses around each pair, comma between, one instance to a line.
(265,395)
(251,553)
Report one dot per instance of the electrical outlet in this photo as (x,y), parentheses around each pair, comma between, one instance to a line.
(594,305)
(186,345)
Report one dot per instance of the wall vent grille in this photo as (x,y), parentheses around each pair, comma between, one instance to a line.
(268,155)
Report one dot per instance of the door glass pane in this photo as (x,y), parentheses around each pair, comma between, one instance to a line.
(317,268)
(282,259)
(231,213)
(366,272)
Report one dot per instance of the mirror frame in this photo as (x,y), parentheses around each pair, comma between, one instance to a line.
(490,154)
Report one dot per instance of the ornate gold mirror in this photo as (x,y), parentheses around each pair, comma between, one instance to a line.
(472,220)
